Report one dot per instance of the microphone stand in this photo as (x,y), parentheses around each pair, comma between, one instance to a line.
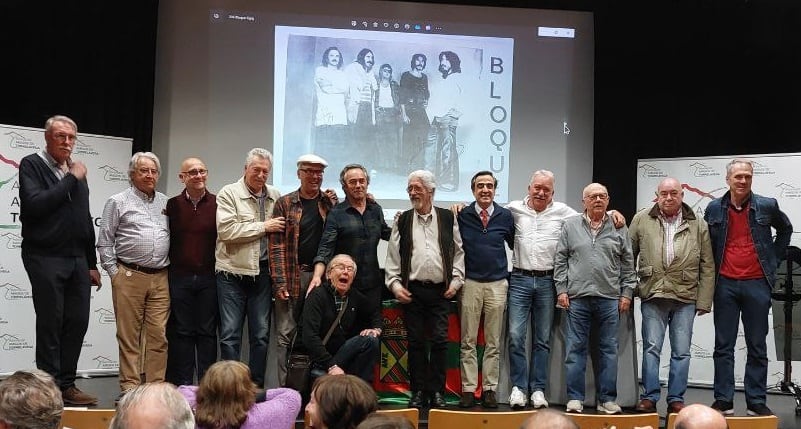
(789,298)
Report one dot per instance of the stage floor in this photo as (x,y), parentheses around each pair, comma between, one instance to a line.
(107,389)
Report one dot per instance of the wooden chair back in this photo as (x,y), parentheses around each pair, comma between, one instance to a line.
(452,419)
(86,419)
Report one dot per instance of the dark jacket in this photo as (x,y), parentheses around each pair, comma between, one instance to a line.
(319,313)
(55,213)
(763,213)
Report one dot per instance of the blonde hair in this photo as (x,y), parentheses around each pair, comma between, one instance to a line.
(225,395)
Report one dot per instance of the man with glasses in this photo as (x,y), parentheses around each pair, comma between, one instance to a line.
(292,250)
(244,222)
(424,270)
(352,347)
(58,253)
(192,326)
(134,245)
(594,278)
(354,227)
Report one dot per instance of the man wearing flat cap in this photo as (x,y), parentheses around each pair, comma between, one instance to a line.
(292,250)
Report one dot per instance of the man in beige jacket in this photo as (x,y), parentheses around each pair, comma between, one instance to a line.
(676,281)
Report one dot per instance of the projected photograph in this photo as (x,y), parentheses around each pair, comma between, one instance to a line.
(393,103)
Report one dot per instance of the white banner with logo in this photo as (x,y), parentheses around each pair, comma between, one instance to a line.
(703,179)
(106,160)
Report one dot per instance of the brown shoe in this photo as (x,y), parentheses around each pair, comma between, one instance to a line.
(645,406)
(675,407)
(74,396)
(488,399)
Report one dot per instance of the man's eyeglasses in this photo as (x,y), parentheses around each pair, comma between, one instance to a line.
(145,171)
(593,197)
(342,267)
(64,137)
(196,172)
(312,172)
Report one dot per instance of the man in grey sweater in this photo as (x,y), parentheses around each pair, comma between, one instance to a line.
(594,278)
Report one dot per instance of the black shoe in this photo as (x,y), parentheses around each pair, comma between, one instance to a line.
(468,400)
(418,400)
(438,400)
(488,399)
(759,410)
(724,407)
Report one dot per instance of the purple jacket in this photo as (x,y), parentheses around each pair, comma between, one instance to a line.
(279,410)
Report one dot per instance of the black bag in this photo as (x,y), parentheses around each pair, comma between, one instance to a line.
(298,370)
(299,364)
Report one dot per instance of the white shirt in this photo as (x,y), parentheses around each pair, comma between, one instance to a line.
(426,263)
(536,234)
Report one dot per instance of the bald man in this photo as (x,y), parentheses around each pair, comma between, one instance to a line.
(676,282)
(699,416)
(549,419)
(192,326)
(153,405)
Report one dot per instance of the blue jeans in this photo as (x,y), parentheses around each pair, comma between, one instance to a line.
(748,300)
(238,296)
(600,315)
(657,315)
(531,298)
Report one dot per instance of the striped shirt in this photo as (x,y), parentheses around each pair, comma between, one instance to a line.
(670,224)
(134,229)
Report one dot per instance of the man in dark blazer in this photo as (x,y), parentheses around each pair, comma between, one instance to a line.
(58,252)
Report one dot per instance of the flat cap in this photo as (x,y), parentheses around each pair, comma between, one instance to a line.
(311,158)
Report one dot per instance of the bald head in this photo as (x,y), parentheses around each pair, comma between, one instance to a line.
(669,196)
(699,416)
(549,419)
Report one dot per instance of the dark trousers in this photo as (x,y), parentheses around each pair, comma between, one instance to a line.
(427,316)
(192,327)
(61,292)
(358,356)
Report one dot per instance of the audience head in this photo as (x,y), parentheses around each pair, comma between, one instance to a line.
(153,405)
(225,395)
(385,421)
(340,402)
(699,416)
(60,136)
(30,400)
(549,419)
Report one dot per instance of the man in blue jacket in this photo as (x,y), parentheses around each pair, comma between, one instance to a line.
(746,257)
(485,227)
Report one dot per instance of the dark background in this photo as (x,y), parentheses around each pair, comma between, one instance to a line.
(672,78)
